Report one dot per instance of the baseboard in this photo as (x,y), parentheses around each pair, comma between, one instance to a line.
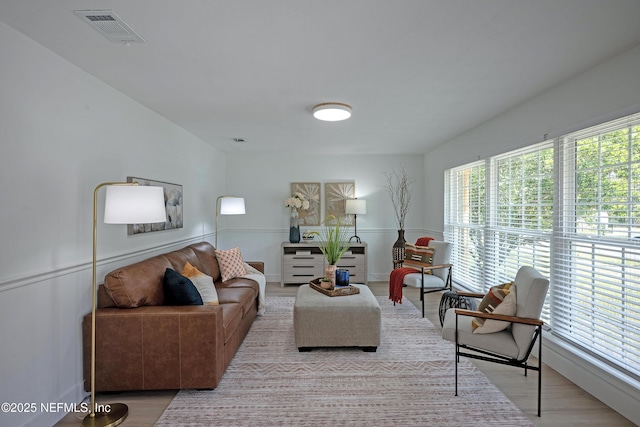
(619,392)
(52,412)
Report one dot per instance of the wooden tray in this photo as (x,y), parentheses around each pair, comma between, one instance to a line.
(336,292)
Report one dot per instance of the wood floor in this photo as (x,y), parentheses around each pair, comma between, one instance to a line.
(563,403)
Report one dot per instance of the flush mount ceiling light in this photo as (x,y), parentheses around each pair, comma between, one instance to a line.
(332,111)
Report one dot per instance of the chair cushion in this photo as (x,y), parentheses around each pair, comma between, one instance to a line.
(531,288)
(430,280)
(441,255)
(500,342)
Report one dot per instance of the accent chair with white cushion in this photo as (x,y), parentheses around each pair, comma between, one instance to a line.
(512,344)
(434,278)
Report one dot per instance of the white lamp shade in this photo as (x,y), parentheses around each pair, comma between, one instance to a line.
(232,206)
(134,204)
(332,111)
(356,206)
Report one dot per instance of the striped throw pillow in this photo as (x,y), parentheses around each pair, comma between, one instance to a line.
(422,254)
(491,301)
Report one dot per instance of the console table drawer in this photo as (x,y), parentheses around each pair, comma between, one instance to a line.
(351,262)
(302,262)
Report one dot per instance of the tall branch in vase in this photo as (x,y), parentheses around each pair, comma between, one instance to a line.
(398,186)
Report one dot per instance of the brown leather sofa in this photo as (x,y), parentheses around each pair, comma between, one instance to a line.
(142,344)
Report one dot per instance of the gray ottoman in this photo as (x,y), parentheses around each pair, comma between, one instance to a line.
(343,321)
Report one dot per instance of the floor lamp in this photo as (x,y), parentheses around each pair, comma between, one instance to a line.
(125,203)
(355,207)
(228,205)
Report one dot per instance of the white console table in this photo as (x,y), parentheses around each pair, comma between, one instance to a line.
(302,262)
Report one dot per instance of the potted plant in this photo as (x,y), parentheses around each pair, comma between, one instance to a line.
(334,242)
(325,283)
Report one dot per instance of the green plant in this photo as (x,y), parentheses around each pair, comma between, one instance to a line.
(334,240)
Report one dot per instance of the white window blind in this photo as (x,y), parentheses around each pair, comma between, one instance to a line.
(465,212)
(596,273)
(570,208)
(520,224)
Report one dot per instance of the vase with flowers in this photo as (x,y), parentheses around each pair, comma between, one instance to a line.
(295,203)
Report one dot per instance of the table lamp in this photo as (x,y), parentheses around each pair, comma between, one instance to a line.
(355,207)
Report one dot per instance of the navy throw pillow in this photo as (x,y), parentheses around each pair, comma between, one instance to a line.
(178,290)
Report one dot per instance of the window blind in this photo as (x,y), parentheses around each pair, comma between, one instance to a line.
(596,275)
(520,224)
(571,208)
(465,213)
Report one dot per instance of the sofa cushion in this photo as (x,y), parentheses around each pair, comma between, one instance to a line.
(179,290)
(246,297)
(138,284)
(239,282)
(207,261)
(181,257)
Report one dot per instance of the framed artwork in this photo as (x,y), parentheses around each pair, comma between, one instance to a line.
(335,195)
(310,191)
(172,203)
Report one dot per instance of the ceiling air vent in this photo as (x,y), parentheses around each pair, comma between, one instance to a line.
(109,25)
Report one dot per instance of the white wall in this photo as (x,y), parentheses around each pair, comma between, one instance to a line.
(62,132)
(605,92)
(608,91)
(264,180)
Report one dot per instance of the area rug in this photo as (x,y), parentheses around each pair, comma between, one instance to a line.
(408,381)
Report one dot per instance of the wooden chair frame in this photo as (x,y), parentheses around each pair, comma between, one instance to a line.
(495,357)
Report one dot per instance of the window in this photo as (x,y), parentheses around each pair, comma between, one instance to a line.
(465,222)
(596,278)
(571,208)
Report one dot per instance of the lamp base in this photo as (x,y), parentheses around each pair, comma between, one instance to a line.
(116,415)
(357,239)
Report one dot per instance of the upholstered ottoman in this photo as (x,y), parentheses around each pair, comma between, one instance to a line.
(341,321)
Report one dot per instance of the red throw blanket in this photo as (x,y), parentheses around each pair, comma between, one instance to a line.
(395,283)
(423,241)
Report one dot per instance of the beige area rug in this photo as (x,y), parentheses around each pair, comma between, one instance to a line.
(408,381)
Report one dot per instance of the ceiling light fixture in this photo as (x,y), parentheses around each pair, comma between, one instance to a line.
(332,111)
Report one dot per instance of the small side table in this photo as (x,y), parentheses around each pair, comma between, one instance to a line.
(451,299)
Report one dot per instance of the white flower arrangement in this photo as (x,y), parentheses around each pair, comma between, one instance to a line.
(297,201)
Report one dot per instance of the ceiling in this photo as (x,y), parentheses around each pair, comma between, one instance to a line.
(416,72)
